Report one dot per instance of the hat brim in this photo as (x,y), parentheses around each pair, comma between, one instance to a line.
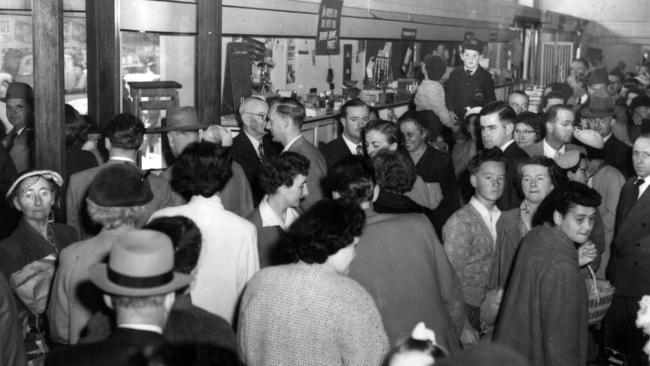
(590,113)
(48,174)
(99,276)
(176,128)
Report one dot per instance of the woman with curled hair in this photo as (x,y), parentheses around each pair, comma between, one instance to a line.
(308,312)
(378,135)
(550,327)
(395,176)
(229,255)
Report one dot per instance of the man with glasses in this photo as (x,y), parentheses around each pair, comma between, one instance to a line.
(354,116)
(559,122)
(252,145)
(599,116)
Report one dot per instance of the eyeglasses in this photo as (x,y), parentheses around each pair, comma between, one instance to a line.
(30,195)
(264,117)
(524,132)
(641,154)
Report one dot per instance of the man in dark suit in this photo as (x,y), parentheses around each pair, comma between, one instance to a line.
(497,130)
(559,123)
(285,118)
(469,86)
(628,268)
(19,142)
(252,145)
(124,135)
(600,116)
(354,116)
(139,282)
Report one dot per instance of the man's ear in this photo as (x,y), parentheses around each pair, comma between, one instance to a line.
(510,129)
(107,143)
(108,301)
(472,180)
(169,301)
(557,218)
(336,195)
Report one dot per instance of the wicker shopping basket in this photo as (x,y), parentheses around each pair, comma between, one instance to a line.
(600,294)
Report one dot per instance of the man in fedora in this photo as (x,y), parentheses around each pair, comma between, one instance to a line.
(182,127)
(470,85)
(117,199)
(599,115)
(139,284)
(19,142)
(124,136)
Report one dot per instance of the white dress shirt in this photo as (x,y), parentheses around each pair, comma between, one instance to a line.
(550,152)
(490,217)
(270,218)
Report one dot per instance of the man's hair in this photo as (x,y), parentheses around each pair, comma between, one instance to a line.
(563,88)
(356,102)
(583,62)
(353,178)
(551,113)
(114,217)
(554,95)
(291,109)
(281,170)
(505,113)
(125,131)
(185,237)
(563,198)
(203,169)
(394,171)
(520,92)
(483,156)
(247,102)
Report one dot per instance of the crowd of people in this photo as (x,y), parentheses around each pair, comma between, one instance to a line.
(464,233)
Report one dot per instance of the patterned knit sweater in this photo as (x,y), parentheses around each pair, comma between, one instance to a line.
(307,314)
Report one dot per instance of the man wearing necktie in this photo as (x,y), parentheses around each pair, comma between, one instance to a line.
(19,142)
(470,85)
(354,116)
(628,268)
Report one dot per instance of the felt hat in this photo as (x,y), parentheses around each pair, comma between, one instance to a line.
(589,138)
(120,185)
(140,263)
(640,101)
(47,174)
(599,107)
(180,119)
(598,76)
(568,160)
(473,110)
(473,44)
(18,90)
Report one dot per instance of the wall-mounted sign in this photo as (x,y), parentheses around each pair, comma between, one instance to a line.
(493,37)
(409,33)
(329,24)
(468,36)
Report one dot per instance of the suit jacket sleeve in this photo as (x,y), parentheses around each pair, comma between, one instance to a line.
(73,199)
(58,308)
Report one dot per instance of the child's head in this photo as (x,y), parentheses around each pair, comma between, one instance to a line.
(420,349)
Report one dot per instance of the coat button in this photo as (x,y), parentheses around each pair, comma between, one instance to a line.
(636,263)
(643,224)
(638,244)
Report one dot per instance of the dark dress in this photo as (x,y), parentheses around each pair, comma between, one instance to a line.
(436,166)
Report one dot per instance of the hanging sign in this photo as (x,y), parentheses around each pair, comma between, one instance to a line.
(329,25)
(409,33)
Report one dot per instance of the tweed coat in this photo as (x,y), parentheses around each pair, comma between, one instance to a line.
(307,314)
